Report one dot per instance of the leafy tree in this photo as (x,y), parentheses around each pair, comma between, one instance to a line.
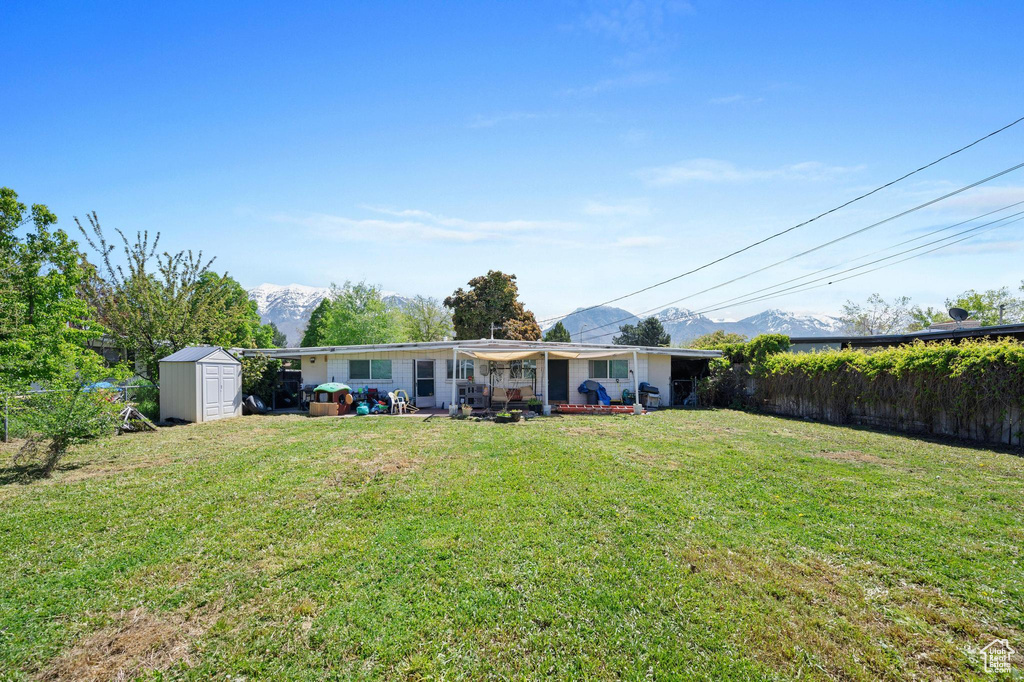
(260,376)
(360,315)
(984,306)
(69,412)
(558,334)
(491,299)
(44,323)
(425,319)
(156,304)
(278,338)
(925,317)
(716,339)
(877,316)
(316,329)
(243,327)
(646,332)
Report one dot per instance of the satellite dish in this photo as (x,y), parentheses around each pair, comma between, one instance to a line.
(959,314)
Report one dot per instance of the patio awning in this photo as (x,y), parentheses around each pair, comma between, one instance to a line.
(505,356)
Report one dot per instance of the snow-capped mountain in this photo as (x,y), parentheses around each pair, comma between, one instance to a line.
(601,324)
(288,306)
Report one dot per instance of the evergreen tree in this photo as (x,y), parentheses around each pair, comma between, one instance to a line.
(558,334)
(646,332)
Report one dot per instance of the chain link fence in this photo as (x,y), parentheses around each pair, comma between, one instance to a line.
(17,408)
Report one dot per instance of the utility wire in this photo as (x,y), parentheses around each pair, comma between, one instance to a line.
(732,301)
(893,246)
(794,227)
(859,274)
(820,246)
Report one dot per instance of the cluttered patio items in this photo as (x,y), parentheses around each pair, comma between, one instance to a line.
(595,392)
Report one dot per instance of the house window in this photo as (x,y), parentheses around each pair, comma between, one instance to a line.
(465,370)
(522,369)
(369,370)
(609,369)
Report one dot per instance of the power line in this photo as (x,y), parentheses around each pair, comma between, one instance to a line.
(733,301)
(859,274)
(893,246)
(794,227)
(824,245)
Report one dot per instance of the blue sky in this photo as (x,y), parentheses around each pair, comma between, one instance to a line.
(589,148)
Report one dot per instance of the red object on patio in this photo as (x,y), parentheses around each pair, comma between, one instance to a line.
(596,409)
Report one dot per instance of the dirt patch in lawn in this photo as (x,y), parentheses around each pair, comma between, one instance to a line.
(850,456)
(137,642)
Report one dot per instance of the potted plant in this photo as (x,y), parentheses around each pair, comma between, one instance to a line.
(502,418)
(467,410)
(515,415)
(535,405)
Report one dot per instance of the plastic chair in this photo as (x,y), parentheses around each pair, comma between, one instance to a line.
(397,403)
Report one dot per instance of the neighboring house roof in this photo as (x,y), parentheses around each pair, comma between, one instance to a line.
(485,345)
(996,331)
(195,354)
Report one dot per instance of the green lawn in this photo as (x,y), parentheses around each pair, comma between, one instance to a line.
(712,544)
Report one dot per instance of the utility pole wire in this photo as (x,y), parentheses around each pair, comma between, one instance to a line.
(794,227)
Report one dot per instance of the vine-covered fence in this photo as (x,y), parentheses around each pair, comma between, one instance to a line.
(974,390)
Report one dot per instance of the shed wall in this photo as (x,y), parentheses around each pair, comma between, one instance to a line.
(178,391)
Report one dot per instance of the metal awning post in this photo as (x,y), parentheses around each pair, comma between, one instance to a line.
(453,407)
(547,386)
(637,408)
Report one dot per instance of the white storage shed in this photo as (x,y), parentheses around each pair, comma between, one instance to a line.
(200,384)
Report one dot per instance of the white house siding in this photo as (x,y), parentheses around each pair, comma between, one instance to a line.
(659,374)
(314,369)
(579,371)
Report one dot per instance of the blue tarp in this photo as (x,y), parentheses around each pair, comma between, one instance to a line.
(602,395)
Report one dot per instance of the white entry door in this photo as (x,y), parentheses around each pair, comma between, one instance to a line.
(424,379)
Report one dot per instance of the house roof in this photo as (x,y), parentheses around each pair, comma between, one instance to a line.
(994,331)
(485,345)
(195,354)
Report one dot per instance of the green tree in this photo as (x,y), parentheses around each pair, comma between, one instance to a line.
(491,299)
(558,334)
(877,316)
(242,326)
(922,318)
(716,340)
(360,315)
(425,319)
(984,306)
(646,332)
(156,304)
(44,323)
(278,338)
(316,329)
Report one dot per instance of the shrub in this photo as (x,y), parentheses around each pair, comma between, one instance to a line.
(260,376)
(975,382)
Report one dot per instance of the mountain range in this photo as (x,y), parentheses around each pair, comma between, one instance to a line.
(289,307)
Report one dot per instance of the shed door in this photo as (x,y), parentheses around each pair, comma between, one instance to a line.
(424,371)
(212,400)
(221,397)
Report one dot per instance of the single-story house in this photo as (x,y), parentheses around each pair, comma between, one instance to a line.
(551,372)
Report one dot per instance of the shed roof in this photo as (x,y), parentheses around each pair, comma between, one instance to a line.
(195,354)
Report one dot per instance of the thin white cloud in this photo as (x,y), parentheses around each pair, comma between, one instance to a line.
(632,80)
(415,225)
(508,117)
(633,209)
(634,21)
(735,99)
(715,170)
(987,198)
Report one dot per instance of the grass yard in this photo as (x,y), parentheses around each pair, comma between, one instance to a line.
(711,544)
